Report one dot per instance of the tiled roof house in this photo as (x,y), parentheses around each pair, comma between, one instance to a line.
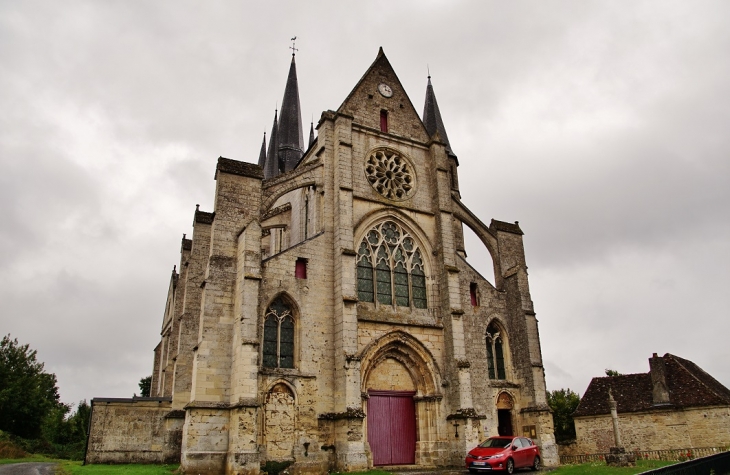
(675,405)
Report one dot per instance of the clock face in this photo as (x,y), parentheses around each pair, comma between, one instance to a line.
(385,90)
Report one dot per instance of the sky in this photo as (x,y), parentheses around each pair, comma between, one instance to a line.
(600,126)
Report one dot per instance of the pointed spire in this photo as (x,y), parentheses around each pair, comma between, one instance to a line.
(271,167)
(311,133)
(262,153)
(290,135)
(432,117)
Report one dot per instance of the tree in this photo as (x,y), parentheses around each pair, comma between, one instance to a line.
(612,372)
(28,395)
(563,402)
(145,384)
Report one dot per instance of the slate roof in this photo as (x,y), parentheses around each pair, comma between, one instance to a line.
(688,384)
(262,153)
(291,133)
(234,167)
(271,167)
(432,118)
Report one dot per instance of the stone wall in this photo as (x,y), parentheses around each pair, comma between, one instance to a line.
(656,430)
(138,430)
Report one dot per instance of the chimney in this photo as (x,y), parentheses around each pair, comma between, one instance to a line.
(659,390)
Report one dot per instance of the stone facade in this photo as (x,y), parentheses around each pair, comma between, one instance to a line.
(137,430)
(304,297)
(674,406)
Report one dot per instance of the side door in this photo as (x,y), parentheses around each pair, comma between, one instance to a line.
(528,452)
(518,453)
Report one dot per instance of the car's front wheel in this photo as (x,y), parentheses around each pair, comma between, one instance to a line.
(536,463)
(510,468)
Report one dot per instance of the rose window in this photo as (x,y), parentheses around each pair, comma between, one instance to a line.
(390,174)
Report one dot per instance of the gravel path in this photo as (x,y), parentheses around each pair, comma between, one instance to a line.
(30,468)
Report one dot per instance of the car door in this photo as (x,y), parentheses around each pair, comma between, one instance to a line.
(527,451)
(518,452)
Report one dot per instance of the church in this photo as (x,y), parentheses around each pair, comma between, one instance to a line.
(324,313)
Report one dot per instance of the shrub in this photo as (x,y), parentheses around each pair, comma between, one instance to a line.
(274,468)
(8,450)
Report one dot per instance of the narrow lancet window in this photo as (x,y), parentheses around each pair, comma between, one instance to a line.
(278,336)
(495,353)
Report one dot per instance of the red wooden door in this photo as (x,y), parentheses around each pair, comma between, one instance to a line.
(392,427)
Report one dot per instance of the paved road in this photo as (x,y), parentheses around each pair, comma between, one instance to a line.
(31,468)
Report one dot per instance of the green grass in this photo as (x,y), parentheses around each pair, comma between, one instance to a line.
(75,468)
(366,472)
(600,468)
(31,458)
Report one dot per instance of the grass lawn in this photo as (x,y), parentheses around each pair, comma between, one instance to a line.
(32,458)
(366,472)
(600,468)
(75,468)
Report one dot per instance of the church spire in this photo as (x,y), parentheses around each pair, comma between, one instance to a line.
(271,167)
(311,133)
(291,135)
(262,153)
(432,117)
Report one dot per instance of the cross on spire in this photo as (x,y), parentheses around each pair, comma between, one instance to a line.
(292,47)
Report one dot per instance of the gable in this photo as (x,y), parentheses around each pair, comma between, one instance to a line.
(365,103)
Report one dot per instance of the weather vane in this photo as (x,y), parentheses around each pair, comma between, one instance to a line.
(292,48)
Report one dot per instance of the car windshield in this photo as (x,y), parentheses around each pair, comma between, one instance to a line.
(496,443)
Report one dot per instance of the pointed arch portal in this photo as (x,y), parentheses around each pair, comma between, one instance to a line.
(402,411)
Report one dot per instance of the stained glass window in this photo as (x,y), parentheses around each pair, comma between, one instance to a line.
(490,360)
(364,274)
(279,336)
(390,268)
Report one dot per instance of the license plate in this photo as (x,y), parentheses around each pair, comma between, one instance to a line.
(479,464)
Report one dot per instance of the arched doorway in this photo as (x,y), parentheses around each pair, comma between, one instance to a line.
(400,378)
(504,414)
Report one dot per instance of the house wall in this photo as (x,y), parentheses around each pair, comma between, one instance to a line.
(656,430)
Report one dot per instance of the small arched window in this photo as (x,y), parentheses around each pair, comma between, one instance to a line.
(390,268)
(279,335)
(495,352)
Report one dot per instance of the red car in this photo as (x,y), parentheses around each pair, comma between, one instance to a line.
(504,453)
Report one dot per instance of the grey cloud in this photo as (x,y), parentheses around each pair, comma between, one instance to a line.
(599,126)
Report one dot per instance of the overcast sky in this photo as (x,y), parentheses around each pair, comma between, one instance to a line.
(602,127)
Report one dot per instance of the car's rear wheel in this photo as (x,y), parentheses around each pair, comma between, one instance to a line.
(510,468)
(536,463)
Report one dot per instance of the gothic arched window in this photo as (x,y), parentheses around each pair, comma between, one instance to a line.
(495,352)
(390,268)
(279,335)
